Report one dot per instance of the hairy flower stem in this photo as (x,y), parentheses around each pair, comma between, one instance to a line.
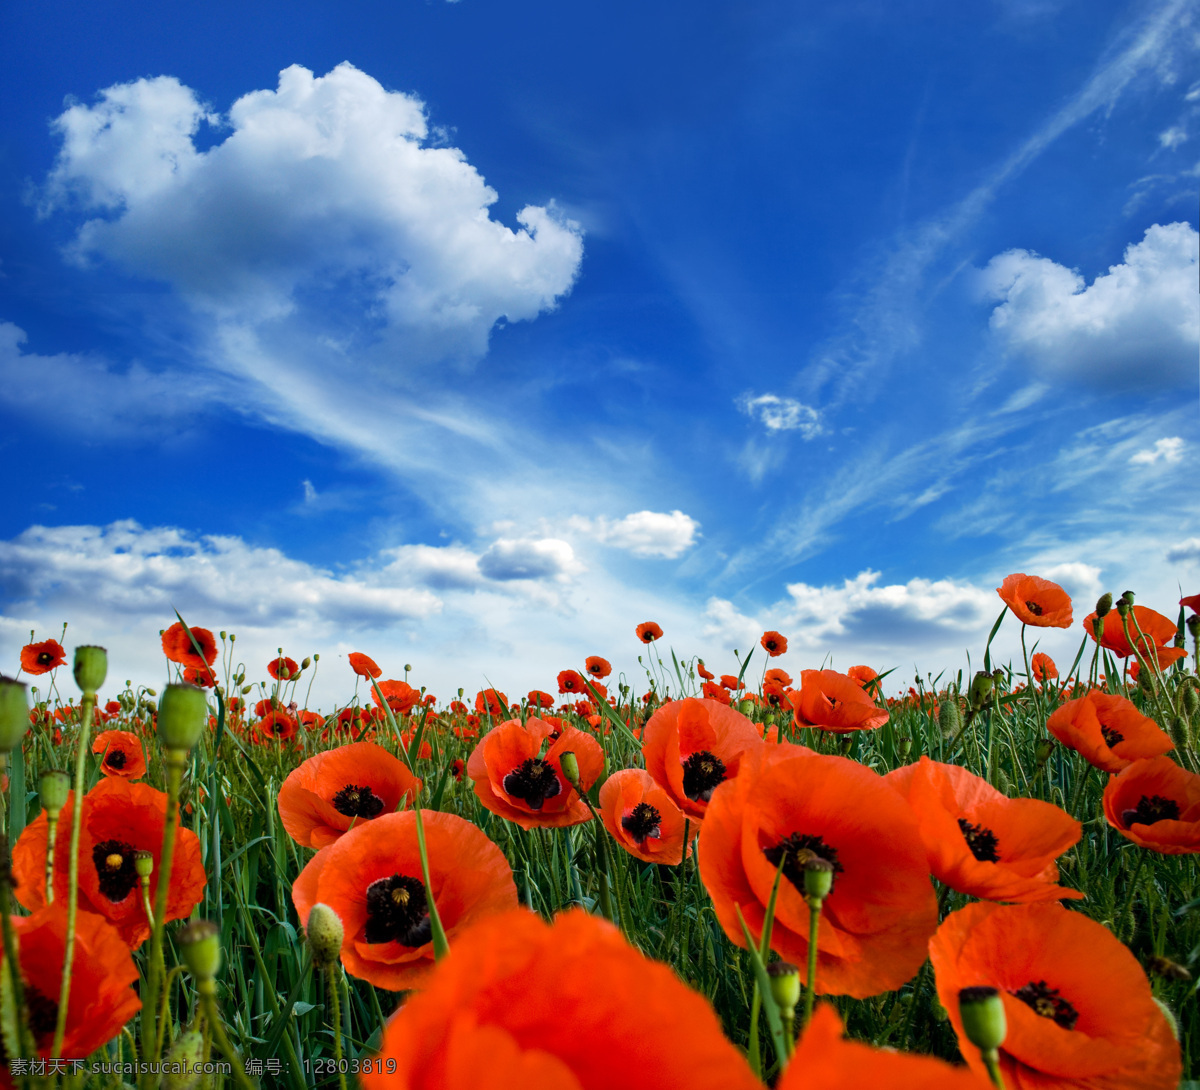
(11,958)
(87,706)
(335,1017)
(1037,696)
(208,1004)
(51,840)
(814,919)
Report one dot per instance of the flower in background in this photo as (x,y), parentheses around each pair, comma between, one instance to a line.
(41,658)
(275,726)
(1042,667)
(179,647)
(1108,731)
(774,644)
(539,699)
(372,878)
(598,667)
(570,681)
(1154,643)
(1156,804)
(834,702)
(400,696)
(1079,1008)
(648,632)
(718,693)
(703,671)
(523,1003)
(123,754)
(642,817)
(864,675)
(363,665)
(491,701)
(283,668)
(202,676)
(1036,601)
(1192,602)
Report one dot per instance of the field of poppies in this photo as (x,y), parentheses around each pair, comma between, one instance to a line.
(676,878)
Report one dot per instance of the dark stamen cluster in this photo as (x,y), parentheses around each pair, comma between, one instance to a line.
(1150,809)
(799,848)
(642,822)
(113,860)
(1047,1002)
(534,781)
(116,759)
(397,911)
(702,773)
(44,658)
(980,840)
(42,1012)
(359,802)
(1034,608)
(1111,737)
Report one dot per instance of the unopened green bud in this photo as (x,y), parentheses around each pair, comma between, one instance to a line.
(182,1067)
(1179,731)
(232,637)
(247,689)
(200,944)
(1103,604)
(569,764)
(785,986)
(903,747)
(224,635)
(982,1013)
(1191,700)
(949,717)
(143,863)
(305,663)
(981,689)
(14,714)
(407,668)
(182,715)
(746,706)
(1044,749)
(53,787)
(1193,624)
(818,878)
(324,934)
(91,668)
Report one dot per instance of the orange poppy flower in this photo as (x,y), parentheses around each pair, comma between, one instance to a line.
(562,1006)
(1192,602)
(778,675)
(363,665)
(648,632)
(1108,731)
(705,673)
(276,726)
(178,648)
(730,681)
(342,788)
(400,696)
(41,658)
(774,644)
(642,818)
(1037,602)
(372,878)
(834,702)
(980,841)
(1079,1008)
(310,719)
(570,681)
(102,970)
(864,675)
(539,699)
(881,911)
(202,676)
(513,778)
(825,1059)
(1042,666)
(691,746)
(597,667)
(123,754)
(1156,804)
(283,668)
(1155,642)
(713,691)
(774,693)
(491,701)
(119,819)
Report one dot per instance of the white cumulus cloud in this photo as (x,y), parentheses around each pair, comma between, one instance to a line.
(1184,550)
(1138,324)
(531,558)
(778,414)
(1168,451)
(643,533)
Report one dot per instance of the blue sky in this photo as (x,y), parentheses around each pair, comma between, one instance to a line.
(472,336)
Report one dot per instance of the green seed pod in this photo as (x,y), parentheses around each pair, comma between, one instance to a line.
(200,944)
(91,668)
(569,764)
(1191,700)
(982,1013)
(143,863)
(981,689)
(182,714)
(14,714)
(1180,734)
(306,663)
(785,986)
(746,706)
(1127,598)
(949,717)
(1103,604)
(53,787)
(324,934)
(818,878)
(183,1060)
(1045,749)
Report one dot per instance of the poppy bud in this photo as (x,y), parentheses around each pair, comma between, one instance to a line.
(982,1013)
(1179,731)
(91,668)
(53,787)
(949,717)
(407,668)
(1193,625)
(1127,598)
(246,689)
(903,747)
(746,706)
(305,663)
(570,769)
(143,863)
(14,714)
(232,637)
(818,879)
(152,692)
(981,689)
(1191,700)
(324,934)
(785,986)
(182,1066)
(1103,604)
(200,944)
(316,657)
(182,715)
(1044,749)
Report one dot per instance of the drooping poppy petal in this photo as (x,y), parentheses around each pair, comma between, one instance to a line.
(123,754)
(1156,804)
(568,1006)
(1079,1008)
(178,647)
(1036,601)
(643,818)
(983,843)
(363,665)
(372,878)
(834,702)
(881,910)
(41,658)
(1108,731)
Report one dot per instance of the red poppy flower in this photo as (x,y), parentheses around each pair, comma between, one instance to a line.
(363,665)
(1037,602)
(102,970)
(708,675)
(523,1003)
(276,726)
(773,643)
(123,754)
(311,720)
(1192,602)
(1155,642)
(834,702)
(881,911)
(1042,667)
(513,778)
(774,693)
(372,878)
(491,701)
(648,632)
(283,668)
(178,647)
(41,658)
(539,699)
(1079,1008)
(569,681)
(690,746)
(597,667)
(825,1059)
(119,819)
(642,817)
(980,841)
(458,768)
(1156,804)
(718,693)
(1108,731)
(730,681)
(202,676)
(777,675)
(342,788)
(864,675)
(400,696)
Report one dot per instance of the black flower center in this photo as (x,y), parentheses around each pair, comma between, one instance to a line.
(357,802)
(113,860)
(1111,737)
(44,658)
(534,781)
(980,840)
(397,911)
(702,772)
(1034,608)
(116,759)
(1048,1003)
(42,1012)
(1150,809)
(642,822)
(799,848)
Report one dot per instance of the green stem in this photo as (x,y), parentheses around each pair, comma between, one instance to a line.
(441,947)
(1079,790)
(753,1052)
(336,1020)
(208,1000)
(13,961)
(814,917)
(991,1060)
(51,840)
